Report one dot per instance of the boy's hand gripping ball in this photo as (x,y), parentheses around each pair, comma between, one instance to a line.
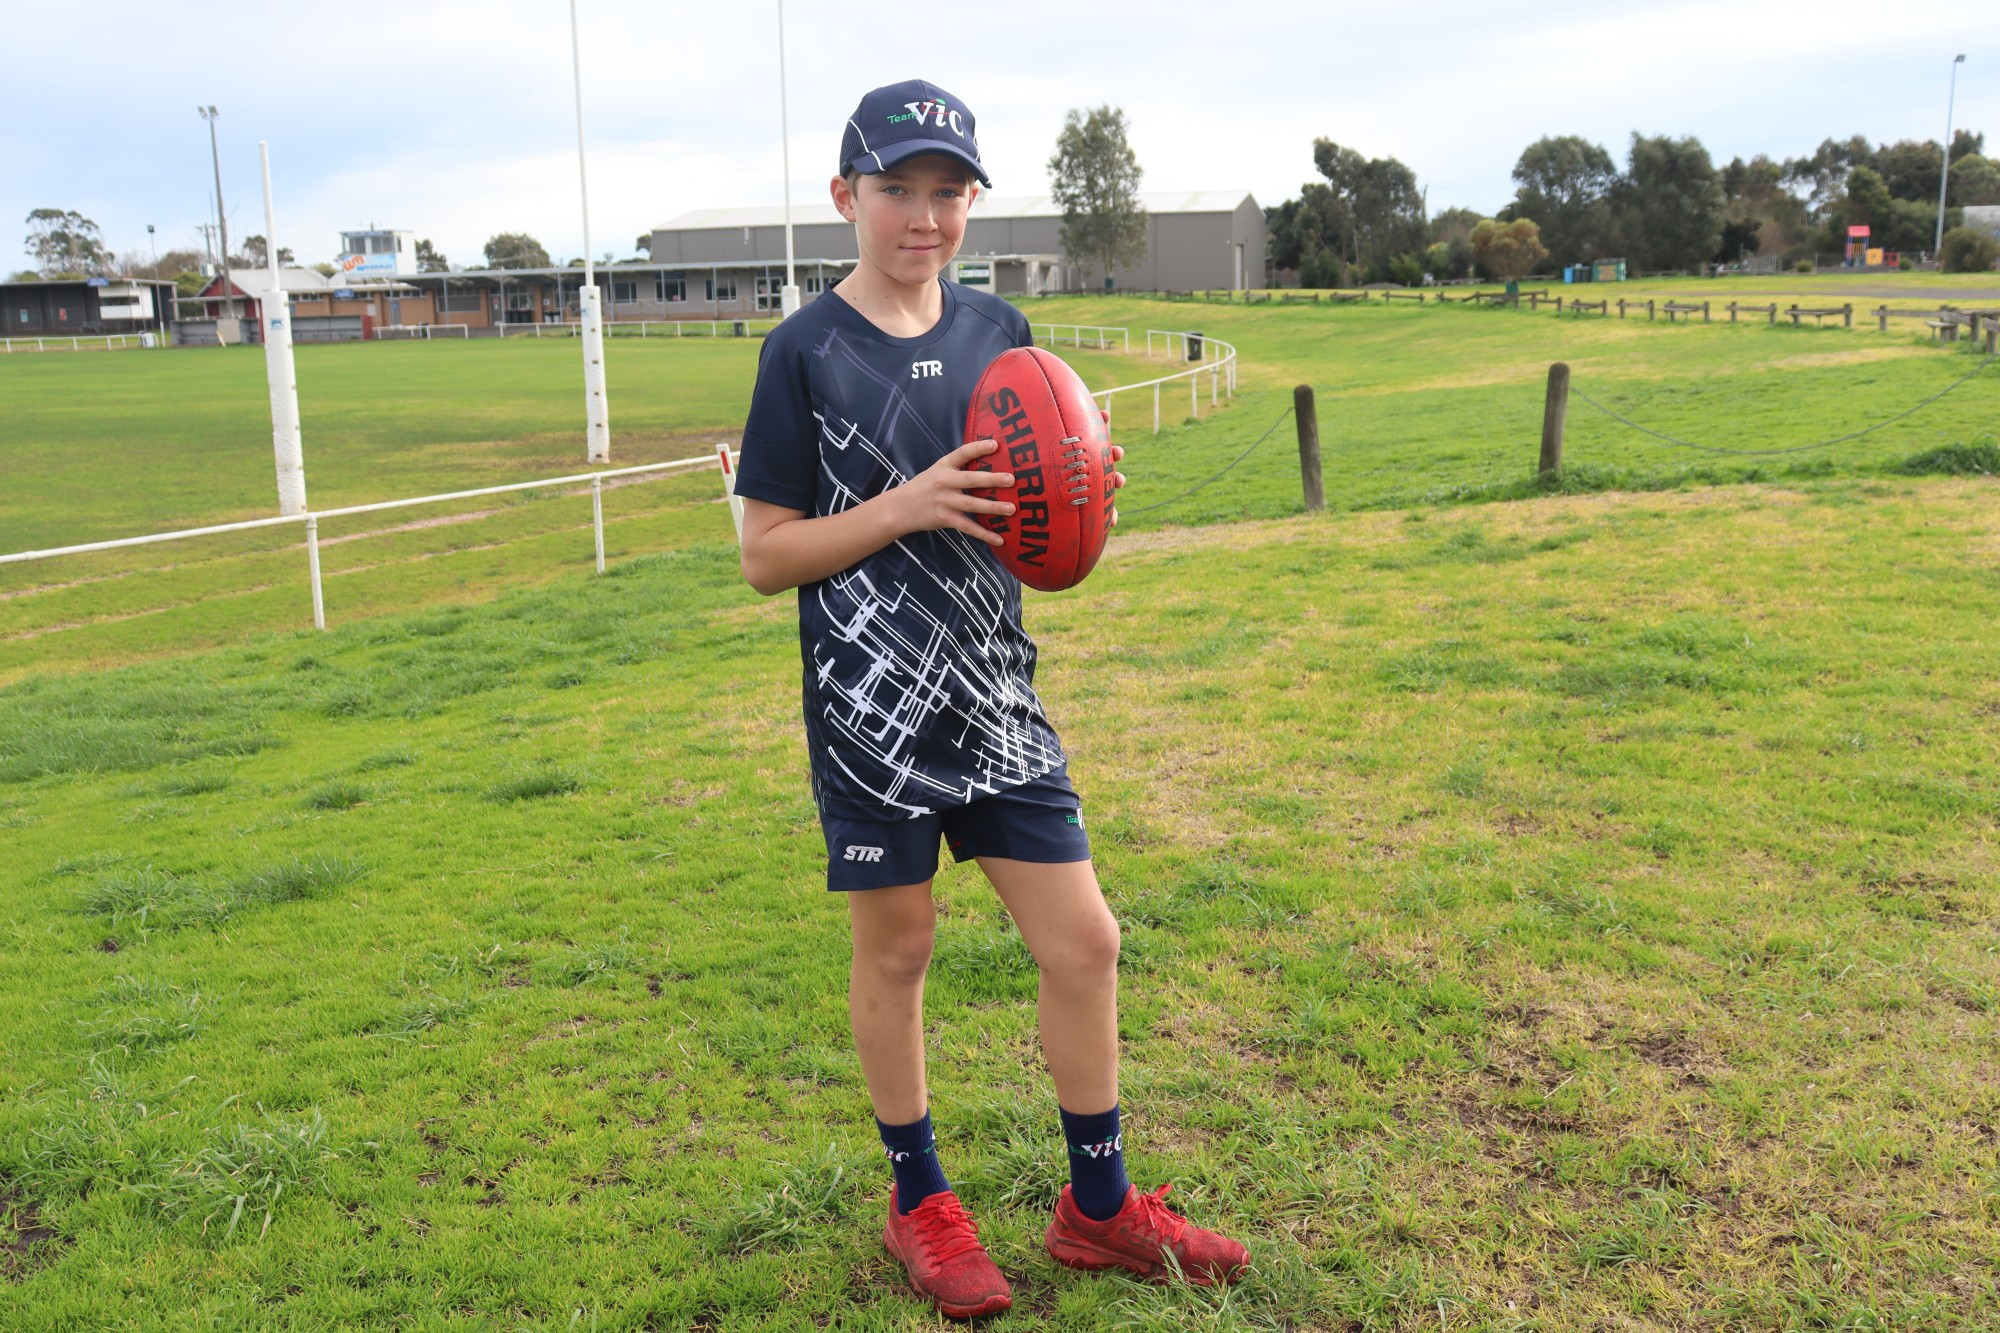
(1053,439)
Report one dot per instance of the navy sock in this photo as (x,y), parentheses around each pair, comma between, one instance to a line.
(1096,1163)
(912,1153)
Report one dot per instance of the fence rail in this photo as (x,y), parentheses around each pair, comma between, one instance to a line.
(82,342)
(311,519)
(1220,369)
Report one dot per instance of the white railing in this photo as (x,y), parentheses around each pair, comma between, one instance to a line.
(1221,372)
(1076,332)
(1221,369)
(311,520)
(83,342)
(674,328)
(413,332)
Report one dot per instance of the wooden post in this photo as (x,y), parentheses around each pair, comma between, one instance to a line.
(1308,424)
(1554,409)
(1649,310)
(1992,335)
(1732,312)
(1704,312)
(1847,315)
(1795,314)
(1881,319)
(1621,307)
(1774,314)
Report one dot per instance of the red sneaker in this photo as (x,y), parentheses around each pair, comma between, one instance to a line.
(941,1252)
(1140,1237)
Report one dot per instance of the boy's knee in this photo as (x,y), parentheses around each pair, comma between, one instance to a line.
(902,958)
(1090,949)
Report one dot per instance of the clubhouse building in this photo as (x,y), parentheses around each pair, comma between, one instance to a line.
(729,265)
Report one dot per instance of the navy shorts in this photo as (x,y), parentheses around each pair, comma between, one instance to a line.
(1040,820)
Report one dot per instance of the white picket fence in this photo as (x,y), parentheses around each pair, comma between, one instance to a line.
(1220,369)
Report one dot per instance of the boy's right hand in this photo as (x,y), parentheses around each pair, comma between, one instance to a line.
(938,497)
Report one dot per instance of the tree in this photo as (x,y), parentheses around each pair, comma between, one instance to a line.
(1094,176)
(1380,209)
(1975,180)
(1823,175)
(1968,250)
(1566,183)
(255,253)
(1965,143)
(1909,168)
(429,260)
(515,249)
(1671,203)
(1868,198)
(644,245)
(1303,234)
(1509,250)
(65,241)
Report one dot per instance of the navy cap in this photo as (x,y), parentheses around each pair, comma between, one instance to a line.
(903,120)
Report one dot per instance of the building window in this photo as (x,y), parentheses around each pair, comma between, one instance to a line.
(721,289)
(519,301)
(624,293)
(815,285)
(670,290)
(770,293)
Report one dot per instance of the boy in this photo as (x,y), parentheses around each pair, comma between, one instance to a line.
(920,708)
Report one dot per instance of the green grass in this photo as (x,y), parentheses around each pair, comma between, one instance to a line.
(1417,407)
(1559,915)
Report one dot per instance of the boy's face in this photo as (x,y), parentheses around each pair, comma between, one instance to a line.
(910,219)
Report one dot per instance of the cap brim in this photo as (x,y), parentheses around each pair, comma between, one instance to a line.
(868,164)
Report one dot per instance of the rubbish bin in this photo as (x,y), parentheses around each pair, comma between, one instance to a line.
(1194,345)
(740,329)
(146,339)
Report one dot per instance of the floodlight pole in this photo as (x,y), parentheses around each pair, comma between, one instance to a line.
(596,409)
(211,115)
(1944,176)
(279,370)
(788,300)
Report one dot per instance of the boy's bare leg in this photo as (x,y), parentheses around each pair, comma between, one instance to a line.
(893,929)
(1063,920)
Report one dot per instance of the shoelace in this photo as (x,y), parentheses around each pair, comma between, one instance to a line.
(1163,1222)
(944,1229)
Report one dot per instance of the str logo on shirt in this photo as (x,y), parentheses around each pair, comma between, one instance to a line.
(863,854)
(926,370)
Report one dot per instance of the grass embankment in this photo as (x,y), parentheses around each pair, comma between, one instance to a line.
(1565,915)
(1416,406)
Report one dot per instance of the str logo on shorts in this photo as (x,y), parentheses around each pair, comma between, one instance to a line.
(863,854)
(926,370)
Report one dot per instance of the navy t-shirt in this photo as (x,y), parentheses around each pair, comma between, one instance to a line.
(919,680)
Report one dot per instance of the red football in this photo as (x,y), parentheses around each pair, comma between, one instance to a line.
(1053,440)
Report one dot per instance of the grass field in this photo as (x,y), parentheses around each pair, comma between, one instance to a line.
(1571,914)
(1417,406)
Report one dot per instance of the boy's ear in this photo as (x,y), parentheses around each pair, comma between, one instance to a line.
(843,196)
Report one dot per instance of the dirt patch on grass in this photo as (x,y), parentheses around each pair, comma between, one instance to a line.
(25,1244)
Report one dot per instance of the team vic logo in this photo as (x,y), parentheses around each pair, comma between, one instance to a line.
(937,112)
(1100,1150)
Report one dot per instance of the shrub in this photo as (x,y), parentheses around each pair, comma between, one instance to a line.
(1968,251)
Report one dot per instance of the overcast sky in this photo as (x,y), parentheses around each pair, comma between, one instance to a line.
(456,120)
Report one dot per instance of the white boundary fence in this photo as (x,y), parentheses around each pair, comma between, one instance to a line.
(82,342)
(1221,372)
(311,520)
(663,328)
